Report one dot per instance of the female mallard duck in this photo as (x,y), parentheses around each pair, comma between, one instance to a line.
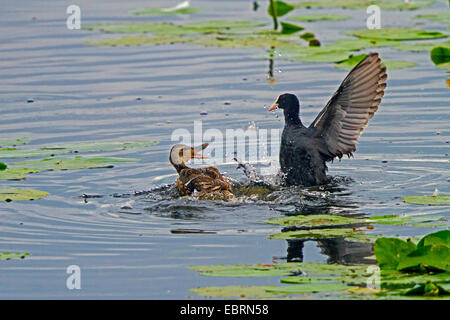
(205,181)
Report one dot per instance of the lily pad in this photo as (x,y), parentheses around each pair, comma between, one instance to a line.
(289,28)
(15,174)
(165,11)
(438,17)
(390,251)
(396,34)
(140,40)
(235,291)
(308,288)
(319,17)
(409,220)
(69,164)
(13,255)
(18,194)
(74,148)
(440,56)
(429,289)
(436,238)
(440,200)
(347,233)
(363,4)
(13,142)
(428,258)
(255,270)
(279,8)
(313,220)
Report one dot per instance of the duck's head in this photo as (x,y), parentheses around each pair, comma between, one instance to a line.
(181,153)
(290,105)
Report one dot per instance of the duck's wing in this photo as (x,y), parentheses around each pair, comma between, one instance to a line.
(348,112)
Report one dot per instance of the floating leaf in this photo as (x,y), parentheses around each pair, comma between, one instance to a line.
(279,8)
(13,255)
(348,234)
(13,142)
(416,221)
(429,258)
(17,194)
(289,28)
(308,288)
(139,40)
(313,220)
(69,164)
(351,61)
(428,289)
(438,17)
(440,200)
(164,11)
(396,34)
(436,238)
(15,174)
(363,4)
(74,148)
(319,17)
(235,291)
(390,251)
(307,36)
(440,55)
(255,270)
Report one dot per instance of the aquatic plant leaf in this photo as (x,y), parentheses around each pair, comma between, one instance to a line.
(235,291)
(313,220)
(74,148)
(13,142)
(319,17)
(416,221)
(140,40)
(240,41)
(18,194)
(307,36)
(428,258)
(13,255)
(392,279)
(440,55)
(255,270)
(221,25)
(413,47)
(164,11)
(437,238)
(390,251)
(440,200)
(350,62)
(438,17)
(347,233)
(15,174)
(308,288)
(363,4)
(396,34)
(279,8)
(69,164)
(3,166)
(158,28)
(428,289)
(289,28)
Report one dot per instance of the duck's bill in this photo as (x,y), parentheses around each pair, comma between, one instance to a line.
(273,107)
(196,151)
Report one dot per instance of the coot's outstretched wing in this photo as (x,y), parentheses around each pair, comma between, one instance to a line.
(344,117)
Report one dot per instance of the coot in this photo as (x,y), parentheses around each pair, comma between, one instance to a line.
(304,151)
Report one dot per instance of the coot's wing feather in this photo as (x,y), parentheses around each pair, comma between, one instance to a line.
(348,112)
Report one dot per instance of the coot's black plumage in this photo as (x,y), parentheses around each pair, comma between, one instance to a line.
(305,150)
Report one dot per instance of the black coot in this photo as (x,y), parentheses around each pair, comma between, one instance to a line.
(335,131)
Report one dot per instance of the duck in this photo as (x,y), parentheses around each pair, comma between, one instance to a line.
(208,182)
(304,151)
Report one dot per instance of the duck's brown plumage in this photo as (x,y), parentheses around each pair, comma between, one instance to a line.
(204,181)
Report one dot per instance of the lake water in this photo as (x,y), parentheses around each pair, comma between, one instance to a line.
(129,245)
